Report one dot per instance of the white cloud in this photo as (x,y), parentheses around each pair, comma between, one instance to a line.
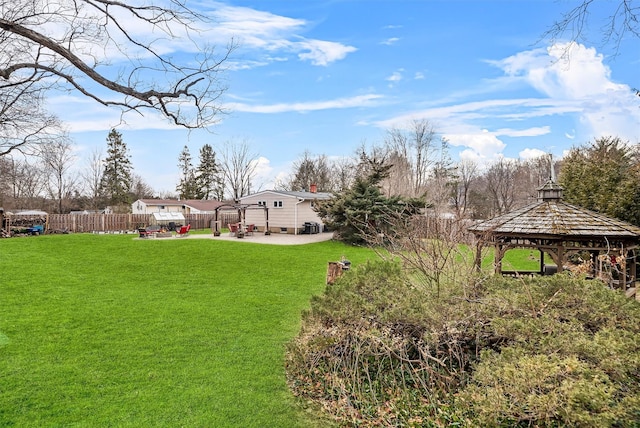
(574,75)
(395,77)
(531,153)
(255,27)
(268,32)
(575,86)
(419,75)
(263,170)
(322,52)
(482,145)
(390,41)
(528,132)
(563,70)
(350,102)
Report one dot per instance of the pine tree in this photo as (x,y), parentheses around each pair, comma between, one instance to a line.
(187,188)
(362,211)
(117,178)
(209,181)
(604,176)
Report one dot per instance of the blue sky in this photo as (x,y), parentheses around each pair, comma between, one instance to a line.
(326,76)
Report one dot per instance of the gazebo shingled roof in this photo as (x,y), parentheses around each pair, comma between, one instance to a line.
(557,218)
(554,226)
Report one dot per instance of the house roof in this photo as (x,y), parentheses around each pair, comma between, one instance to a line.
(198,204)
(299,195)
(551,217)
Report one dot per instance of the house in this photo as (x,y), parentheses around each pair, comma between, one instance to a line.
(186,206)
(288,212)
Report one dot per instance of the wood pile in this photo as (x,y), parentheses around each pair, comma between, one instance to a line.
(22,224)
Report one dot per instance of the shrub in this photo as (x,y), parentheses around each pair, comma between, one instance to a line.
(549,351)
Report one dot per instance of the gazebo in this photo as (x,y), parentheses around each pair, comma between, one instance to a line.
(605,247)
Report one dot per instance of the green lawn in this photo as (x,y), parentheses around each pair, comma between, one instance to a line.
(519,259)
(108,330)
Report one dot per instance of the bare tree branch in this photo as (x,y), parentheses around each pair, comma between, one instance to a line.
(71,43)
(622,19)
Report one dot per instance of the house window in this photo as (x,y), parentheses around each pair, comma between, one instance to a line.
(277,204)
(262,203)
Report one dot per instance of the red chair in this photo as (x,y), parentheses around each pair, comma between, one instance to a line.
(233,229)
(250,229)
(183,231)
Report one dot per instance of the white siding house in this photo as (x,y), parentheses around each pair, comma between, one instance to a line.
(288,211)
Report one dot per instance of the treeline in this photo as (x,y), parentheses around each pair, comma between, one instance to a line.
(44,176)
(602,175)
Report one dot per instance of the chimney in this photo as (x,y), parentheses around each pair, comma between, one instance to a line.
(313,188)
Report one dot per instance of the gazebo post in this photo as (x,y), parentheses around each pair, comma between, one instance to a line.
(541,261)
(216,232)
(478,257)
(560,257)
(497,258)
(632,267)
(266,213)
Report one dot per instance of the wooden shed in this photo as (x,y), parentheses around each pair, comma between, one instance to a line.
(573,237)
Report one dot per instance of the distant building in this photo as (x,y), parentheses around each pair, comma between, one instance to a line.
(187,206)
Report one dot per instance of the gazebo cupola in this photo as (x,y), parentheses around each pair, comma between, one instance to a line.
(550,191)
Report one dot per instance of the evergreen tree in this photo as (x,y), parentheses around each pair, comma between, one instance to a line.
(362,211)
(209,181)
(604,176)
(117,177)
(188,186)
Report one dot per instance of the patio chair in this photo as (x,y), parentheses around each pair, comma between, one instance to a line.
(250,229)
(183,231)
(233,229)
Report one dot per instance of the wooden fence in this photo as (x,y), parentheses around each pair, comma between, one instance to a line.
(110,222)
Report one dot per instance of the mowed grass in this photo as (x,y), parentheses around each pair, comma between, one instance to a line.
(108,330)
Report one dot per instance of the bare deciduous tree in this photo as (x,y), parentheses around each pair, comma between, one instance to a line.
(501,185)
(92,177)
(308,170)
(427,245)
(72,44)
(24,124)
(58,158)
(27,182)
(411,152)
(342,174)
(467,172)
(139,188)
(238,166)
(5,188)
